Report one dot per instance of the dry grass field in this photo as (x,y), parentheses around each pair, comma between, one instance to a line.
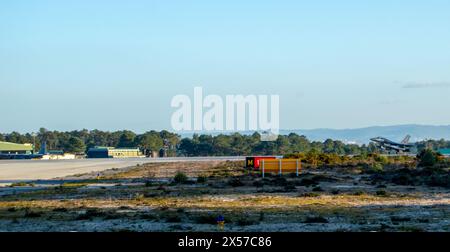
(190,196)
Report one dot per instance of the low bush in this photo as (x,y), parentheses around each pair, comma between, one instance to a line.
(290,187)
(309,194)
(438,180)
(381,193)
(428,158)
(335,191)
(359,193)
(280,181)
(317,189)
(206,219)
(315,219)
(60,209)
(376,168)
(400,219)
(180,178)
(172,218)
(307,182)
(258,183)
(31,214)
(201,179)
(89,214)
(235,182)
(403,179)
(246,221)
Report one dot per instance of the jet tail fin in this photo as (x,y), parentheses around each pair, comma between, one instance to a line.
(43,149)
(406,140)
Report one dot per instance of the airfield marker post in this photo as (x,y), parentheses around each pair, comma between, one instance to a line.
(262,163)
(279,164)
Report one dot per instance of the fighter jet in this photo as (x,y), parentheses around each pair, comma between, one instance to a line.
(388,145)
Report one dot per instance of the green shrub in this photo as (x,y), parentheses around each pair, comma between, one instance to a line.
(173,218)
(381,193)
(60,209)
(261,216)
(359,193)
(149,216)
(280,181)
(317,189)
(309,195)
(89,214)
(403,179)
(307,182)
(31,214)
(290,187)
(427,158)
(180,178)
(246,221)
(258,183)
(139,196)
(377,168)
(315,219)
(235,182)
(400,219)
(206,219)
(381,159)
(201,179)
(438,180)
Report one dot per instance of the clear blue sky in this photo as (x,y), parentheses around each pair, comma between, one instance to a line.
(111,65)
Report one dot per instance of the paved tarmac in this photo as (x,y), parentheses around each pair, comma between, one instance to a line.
(22,170)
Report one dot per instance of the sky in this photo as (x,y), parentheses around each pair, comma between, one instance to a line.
(112,65)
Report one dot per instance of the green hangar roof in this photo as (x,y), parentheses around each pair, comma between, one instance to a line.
(6,146)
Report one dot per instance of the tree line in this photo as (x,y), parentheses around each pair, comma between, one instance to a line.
(79,141)
(243,145)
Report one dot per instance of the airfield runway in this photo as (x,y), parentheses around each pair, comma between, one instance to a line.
(23,170)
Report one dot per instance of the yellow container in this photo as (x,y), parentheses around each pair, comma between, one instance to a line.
(280,166)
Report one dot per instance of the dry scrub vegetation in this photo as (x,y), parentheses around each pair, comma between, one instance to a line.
(190,196)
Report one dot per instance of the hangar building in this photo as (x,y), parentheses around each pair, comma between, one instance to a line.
(15,149)
(111,152)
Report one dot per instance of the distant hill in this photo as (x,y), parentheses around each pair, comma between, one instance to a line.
(363,135)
